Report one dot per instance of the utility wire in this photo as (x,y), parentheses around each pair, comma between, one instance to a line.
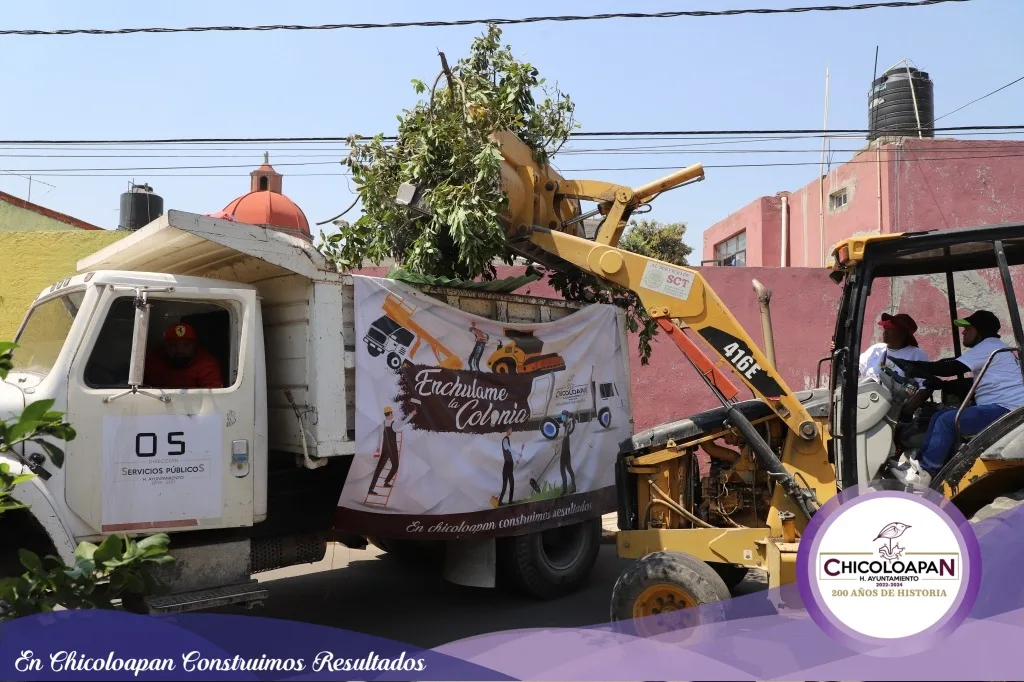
(77,172)
(614,133)
(974,101)
(470,22)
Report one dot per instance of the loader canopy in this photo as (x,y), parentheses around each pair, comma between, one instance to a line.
(941,257)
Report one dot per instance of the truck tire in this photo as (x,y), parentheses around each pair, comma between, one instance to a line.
(394,361)
(604,417)
(552,563)
(549,428)
(656,588)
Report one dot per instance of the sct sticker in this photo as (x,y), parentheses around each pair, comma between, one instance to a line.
(667,280)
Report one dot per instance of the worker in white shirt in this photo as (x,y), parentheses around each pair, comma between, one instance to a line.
(1000,391)
(899,342)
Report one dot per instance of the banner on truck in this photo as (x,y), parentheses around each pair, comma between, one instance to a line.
(469,427)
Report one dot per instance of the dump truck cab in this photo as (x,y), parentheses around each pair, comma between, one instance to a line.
(867,424)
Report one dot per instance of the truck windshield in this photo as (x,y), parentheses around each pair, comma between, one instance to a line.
(43,335)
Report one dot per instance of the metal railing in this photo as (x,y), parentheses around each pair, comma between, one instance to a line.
(974,386)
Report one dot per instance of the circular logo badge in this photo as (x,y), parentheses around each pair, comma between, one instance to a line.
(889,568)
(653,279)
(180,330)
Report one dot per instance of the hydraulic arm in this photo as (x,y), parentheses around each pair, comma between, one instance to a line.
(541,221)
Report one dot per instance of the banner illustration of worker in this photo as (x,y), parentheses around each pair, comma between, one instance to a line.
(468,423)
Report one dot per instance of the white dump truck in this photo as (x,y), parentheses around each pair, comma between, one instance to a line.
(279,440)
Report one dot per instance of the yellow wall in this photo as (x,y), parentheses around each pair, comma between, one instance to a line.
(30,261)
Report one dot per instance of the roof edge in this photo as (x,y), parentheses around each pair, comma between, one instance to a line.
(47,212)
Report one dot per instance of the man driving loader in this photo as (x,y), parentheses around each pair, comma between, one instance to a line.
(1001,390)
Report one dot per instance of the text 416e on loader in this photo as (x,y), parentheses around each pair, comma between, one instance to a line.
(776,459)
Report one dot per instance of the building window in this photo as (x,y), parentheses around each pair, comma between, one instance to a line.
(263,184)
(837,200)
(732,251)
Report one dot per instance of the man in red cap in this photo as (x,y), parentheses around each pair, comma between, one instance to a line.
(897,342)
(183,362)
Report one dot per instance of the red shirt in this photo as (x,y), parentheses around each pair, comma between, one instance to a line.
(203,372)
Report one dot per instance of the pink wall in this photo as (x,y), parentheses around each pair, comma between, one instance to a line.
(925,184)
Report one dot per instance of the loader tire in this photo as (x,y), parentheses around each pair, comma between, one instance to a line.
(550,564)
(731,574)
(667,591)
(1000,505)
(505,366)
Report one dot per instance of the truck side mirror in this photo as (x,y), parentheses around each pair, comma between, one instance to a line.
(140,335)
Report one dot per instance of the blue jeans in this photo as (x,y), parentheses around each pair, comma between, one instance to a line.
(941,435)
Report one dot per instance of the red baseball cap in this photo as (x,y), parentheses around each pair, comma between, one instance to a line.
(901,321)
(181,330)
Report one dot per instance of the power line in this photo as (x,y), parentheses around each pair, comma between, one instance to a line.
(77,172)
(613,133)
(470,22)
(974,101)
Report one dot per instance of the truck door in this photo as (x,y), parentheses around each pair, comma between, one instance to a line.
(162,457)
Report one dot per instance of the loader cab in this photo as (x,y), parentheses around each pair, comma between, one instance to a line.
(945,274)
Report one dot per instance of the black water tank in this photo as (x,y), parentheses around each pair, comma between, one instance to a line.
(139,207)
(891,104)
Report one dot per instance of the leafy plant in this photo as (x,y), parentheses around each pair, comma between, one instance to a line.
(443,145)
(116,569)
(656,240)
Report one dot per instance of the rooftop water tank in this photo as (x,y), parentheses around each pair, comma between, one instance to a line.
(139,207)
(901,100)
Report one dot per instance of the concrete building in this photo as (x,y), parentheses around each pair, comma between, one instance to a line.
(892,185)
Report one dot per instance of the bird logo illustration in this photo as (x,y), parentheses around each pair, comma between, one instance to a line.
(890,533)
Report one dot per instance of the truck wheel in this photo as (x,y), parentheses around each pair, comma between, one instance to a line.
(604,417)
(552,563)
(662,592)
(549,428)
(505,366)
(394,362)
(731,574)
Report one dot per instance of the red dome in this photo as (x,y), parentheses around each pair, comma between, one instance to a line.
(268,208)
(266,205)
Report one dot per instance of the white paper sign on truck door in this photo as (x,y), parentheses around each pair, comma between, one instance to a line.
(161,471)
(470,427)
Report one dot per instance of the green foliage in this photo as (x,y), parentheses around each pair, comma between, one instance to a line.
(655,240)
(113,570)
(444,144)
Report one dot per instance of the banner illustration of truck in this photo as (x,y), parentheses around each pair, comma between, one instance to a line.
(497,425)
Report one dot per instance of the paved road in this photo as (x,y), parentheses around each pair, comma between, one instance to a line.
(367,591)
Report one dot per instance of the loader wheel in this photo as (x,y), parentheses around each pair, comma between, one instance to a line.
(551,563)
(505,366)
(662,592)
(1000,505)
(731,574)
(604,417)
(394,362)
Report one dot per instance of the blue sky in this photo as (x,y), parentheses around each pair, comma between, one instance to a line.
(746,72)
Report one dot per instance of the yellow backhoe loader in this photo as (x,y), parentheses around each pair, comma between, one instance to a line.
(775,459)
